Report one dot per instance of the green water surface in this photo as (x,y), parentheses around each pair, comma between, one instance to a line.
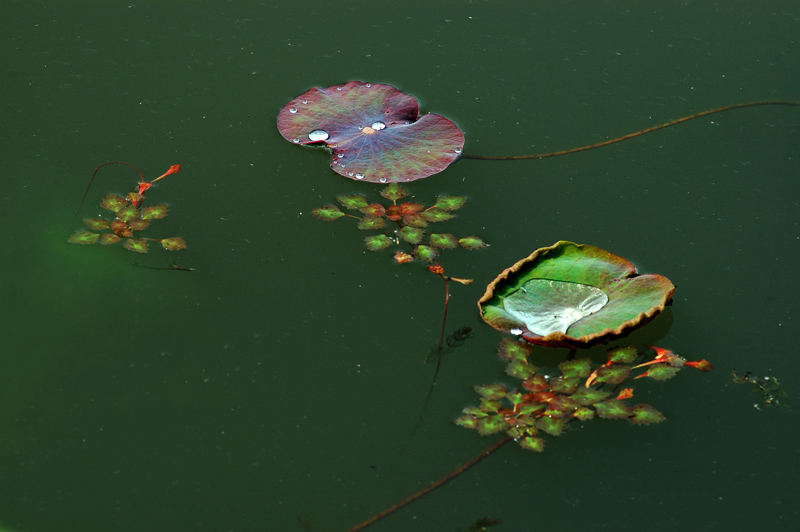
(283,378)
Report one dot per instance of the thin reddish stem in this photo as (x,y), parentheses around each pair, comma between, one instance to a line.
(432,487)
(91,180)
(629,136)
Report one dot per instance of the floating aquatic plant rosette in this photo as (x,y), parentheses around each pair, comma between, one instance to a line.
(573,295)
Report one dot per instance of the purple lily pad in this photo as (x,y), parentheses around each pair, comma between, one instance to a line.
(373,132)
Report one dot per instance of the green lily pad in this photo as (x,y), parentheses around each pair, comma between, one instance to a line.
(547,306)
(571,282)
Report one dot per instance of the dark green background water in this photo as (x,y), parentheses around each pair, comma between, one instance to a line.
(284,376)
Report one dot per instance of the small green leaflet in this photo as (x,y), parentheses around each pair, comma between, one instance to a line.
(84,238)
(645,415)
(327,213)
(412,235)
(154,212)
(394,192)
(173,244)
(472,242)
(445,241)
(449,203)
(356,201)
(426,253)
(139,245)
(371,222)
(378,242)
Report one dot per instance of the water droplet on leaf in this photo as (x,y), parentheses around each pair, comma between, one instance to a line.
(377,126)
(318,134)
(293,110)
(359,176)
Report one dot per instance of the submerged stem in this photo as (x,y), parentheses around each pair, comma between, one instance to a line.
(450,476)
(629,136)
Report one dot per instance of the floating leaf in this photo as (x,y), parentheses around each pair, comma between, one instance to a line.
(491,391)
(356,201)
(327,213)
(120,228)
(512,350)
(515,397)
(134,197)
(393,192)
(532,443)
(612,409)
(445,241)
(615,374)
(98,224)
(378,242)
(138,225)
(402,257)
(535,383)
(83,238)
(373,131)
(551,425)
(701,365)
(625,393)
(490,424)
(633,299)
(371,222)
(128,213)
(589,396)
(173,244)
(450,203)
(661,372)
(113,202)
(393,213)
(583,413)
(490,405)
(415,220)
(579,368)
(566,386)
(426,253)
(622,355)
(520,369)
(560,406)
(472,242)
(468,422)
(412,235)
(410,208)
(373,209)
(437,215)
(645,415)
(109,238)
(154,212)
(139,245)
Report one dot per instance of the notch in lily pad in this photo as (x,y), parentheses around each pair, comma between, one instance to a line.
(573,295)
